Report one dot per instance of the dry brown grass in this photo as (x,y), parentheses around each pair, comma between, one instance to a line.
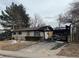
(72,50)
(13,47)
(5,45)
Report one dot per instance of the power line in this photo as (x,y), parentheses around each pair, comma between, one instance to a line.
(49,17)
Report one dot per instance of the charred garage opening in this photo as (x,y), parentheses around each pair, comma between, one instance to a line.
(61,33)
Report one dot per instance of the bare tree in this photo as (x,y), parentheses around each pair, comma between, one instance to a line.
(37,21)
(60,19)
(72,16)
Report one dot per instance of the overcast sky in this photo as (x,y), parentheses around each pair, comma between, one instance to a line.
(44,8)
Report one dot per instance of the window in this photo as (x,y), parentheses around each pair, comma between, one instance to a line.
(19,33)
(36,33)
(14,33)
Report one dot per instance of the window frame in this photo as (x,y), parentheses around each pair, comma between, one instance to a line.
(19,32)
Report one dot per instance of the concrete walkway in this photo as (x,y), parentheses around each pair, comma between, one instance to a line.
(39,50)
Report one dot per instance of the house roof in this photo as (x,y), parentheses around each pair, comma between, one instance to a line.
(26,29)
(46,28)
(43,28)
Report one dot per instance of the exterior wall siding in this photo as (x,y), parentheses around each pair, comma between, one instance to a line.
(31,34)
(22,35)
(41,34)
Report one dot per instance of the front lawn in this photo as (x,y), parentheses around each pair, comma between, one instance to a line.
(71,50)
(7,45)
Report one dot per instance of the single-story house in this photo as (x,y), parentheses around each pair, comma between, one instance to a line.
(44,32)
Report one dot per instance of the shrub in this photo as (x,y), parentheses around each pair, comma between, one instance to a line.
(32,38)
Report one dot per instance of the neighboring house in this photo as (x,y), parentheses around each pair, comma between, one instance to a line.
(44,32)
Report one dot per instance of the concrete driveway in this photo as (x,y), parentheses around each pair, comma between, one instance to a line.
(41,49)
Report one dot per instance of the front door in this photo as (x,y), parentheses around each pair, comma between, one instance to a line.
(46,35)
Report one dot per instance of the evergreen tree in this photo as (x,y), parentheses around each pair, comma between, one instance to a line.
(15,17)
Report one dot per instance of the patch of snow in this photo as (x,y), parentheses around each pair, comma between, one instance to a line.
(59,42)
(13,41)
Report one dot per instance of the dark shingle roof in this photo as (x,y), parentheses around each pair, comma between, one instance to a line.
(34,29)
